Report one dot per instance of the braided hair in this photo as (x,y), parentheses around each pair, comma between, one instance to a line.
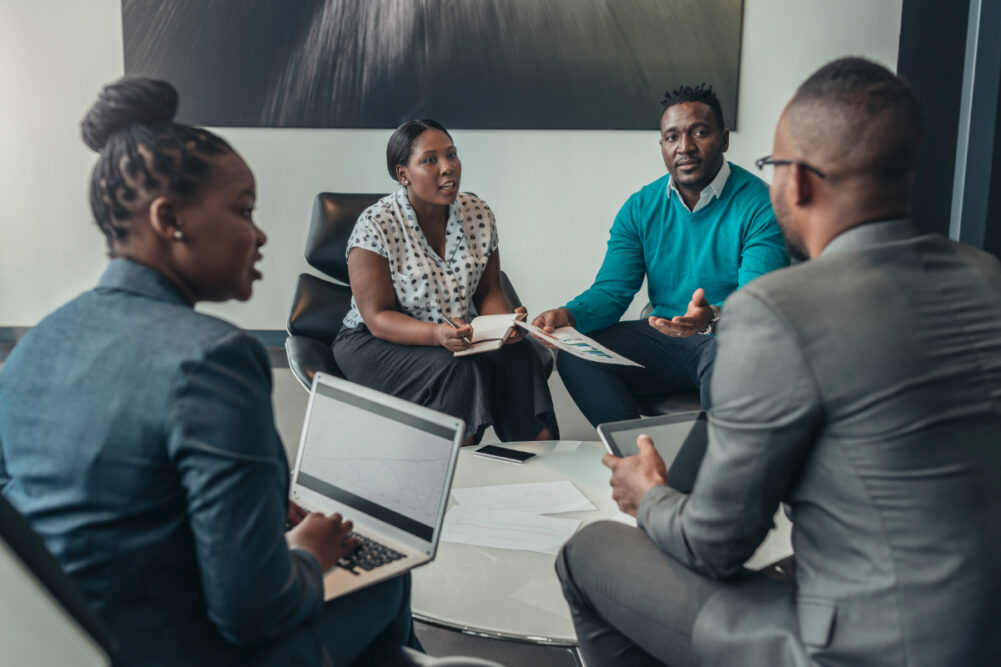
(701,93)
(143,153)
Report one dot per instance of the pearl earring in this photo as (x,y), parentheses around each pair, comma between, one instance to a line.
(178,235)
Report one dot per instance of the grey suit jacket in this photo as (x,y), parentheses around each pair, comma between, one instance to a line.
(137,438)
(863,388)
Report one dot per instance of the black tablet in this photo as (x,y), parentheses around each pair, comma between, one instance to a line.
(679,438)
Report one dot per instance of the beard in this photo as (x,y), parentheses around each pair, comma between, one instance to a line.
(794,243)
(795,251)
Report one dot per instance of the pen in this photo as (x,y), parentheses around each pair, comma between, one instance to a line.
(452,324)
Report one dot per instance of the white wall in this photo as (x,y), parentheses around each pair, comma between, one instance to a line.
(554,193)
(54,56)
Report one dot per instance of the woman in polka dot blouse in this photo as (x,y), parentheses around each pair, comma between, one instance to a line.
(423,261)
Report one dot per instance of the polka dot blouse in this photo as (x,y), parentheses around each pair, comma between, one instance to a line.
(427,285)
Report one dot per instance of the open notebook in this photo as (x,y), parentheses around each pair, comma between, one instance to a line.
(489,332)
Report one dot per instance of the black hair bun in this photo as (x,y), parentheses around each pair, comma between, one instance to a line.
(131,99)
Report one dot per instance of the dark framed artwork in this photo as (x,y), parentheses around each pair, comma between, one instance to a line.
(497,64)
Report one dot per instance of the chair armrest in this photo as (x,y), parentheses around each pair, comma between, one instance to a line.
(543,353)
(306,356)
(318,308)
(507,289)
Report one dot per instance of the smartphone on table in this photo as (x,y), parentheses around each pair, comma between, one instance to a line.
(503,454)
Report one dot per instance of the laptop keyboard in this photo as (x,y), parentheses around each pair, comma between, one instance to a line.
(368,556)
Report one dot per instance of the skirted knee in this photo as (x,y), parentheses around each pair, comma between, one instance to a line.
(464,370)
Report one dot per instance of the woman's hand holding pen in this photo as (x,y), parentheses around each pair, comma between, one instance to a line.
(454,334)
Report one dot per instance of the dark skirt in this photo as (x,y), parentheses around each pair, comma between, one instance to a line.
(505,388)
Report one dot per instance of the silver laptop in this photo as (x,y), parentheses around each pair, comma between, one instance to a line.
(382,462)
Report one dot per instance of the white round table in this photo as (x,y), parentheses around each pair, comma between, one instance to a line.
(504,593)
(510,594)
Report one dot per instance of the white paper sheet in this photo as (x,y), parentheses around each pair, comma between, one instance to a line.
(531,497)
(622,517)
(777,544)
(574,342)
(507,530)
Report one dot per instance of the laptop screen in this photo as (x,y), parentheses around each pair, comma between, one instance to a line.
(384,462)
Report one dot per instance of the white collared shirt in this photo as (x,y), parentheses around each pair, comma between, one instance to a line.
(714,189)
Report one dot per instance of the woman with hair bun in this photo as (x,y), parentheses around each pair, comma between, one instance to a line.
(424,261)
(137,435)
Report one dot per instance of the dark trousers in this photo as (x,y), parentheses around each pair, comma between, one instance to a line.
(605,392)
(634,606)
(367,627)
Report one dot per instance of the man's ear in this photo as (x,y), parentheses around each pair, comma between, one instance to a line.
(802,185)
(726,141)
(163,217)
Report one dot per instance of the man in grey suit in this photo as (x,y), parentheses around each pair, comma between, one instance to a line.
(863,389)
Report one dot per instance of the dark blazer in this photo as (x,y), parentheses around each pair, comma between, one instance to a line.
(137,437)
(863,388)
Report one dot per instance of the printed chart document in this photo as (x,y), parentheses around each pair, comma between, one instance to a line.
(531,497)
(489,332)
(574,342)
(507,530)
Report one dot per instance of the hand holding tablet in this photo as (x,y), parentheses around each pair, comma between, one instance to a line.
(633,476)
(680,439)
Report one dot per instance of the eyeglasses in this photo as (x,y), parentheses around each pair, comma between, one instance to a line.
(767,161)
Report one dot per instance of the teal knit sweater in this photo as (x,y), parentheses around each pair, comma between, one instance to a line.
(720,248)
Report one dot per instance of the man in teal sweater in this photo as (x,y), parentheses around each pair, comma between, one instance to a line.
(697,234)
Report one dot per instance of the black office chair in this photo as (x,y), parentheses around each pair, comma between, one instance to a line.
(49,622)
(319,306)
(651,405)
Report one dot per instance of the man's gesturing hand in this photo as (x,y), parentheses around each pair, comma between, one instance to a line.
(696,318)
(633,476)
